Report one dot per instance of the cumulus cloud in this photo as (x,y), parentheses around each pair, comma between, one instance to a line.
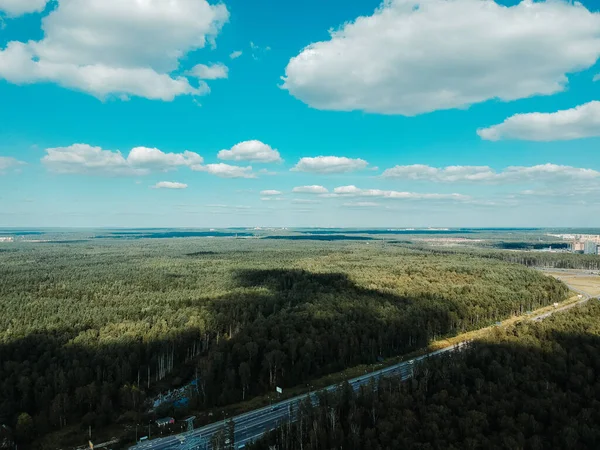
(415,56)
(85,159)
(153,158)
(226,170)
(270,192)
(330,164)
(272,199)
(16,8)
(8,162)
(169,185)
(314,189)
(212,72)
(583,121)
(116,47)
(353,191)
(236,54)
(485,174)
(253,151)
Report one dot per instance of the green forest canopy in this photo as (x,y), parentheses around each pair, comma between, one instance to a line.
(90,330)
(532,386)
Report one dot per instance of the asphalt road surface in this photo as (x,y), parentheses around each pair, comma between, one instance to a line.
(252,425)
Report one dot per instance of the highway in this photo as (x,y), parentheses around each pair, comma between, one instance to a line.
(250,426)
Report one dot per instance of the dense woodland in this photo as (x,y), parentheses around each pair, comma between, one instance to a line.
(551,260)
(88,331)
(533,386)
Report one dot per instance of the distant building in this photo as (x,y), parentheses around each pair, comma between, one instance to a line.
(590,248)
(165,421)
(577,246)
(6,239)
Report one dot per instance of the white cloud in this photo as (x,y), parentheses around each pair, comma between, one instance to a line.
(253,151)
(169,185)
(83,158)
(236,54)
(330,164)
(416,56)
(258,51)
(212,72)
(596,77)
(272,199)
(153,158)
(303,201)
(485,174)
(116,47)
(226,170)
(270,192)
(220,206)
(448,174)
(314,189)
(361,204)
(580,122)
(353,191)
(7,162)
(16,8)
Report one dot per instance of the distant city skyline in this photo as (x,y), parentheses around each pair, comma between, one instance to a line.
(203,114)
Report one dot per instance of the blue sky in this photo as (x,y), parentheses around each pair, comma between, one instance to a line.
(410,113)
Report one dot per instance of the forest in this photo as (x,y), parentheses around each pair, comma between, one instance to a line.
(90,330)
(531,386)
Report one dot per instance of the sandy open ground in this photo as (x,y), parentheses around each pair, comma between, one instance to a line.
(579,279)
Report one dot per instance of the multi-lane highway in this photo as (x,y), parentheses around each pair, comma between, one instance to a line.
(252,425)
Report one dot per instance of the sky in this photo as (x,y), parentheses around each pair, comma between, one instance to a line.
(344,113)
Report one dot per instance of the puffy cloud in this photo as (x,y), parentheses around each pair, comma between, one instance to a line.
(485,174)
(416,56)
(16,8)
(116,47)
(212,72)
(314,189)
(226,170)
(153,158)
(353,191)
(596,77)
(580,122)
(270,192)
(169,185)
(330,164)
(254,151)
(83,158)
(7,163)
(236,54)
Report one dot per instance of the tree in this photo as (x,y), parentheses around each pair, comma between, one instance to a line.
(24,429)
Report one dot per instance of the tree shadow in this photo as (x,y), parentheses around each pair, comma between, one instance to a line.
(529,390)
(277,328)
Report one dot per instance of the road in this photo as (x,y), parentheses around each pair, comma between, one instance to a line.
(252,425)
